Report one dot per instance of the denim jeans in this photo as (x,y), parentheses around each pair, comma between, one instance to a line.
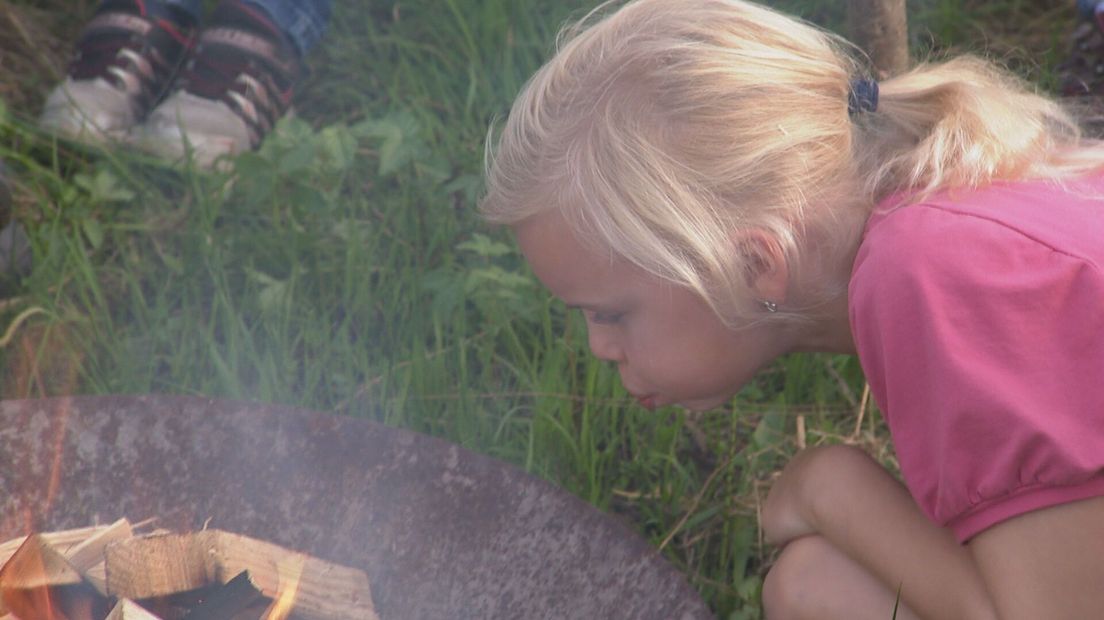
(304,21)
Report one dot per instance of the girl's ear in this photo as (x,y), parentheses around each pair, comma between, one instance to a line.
(765,264)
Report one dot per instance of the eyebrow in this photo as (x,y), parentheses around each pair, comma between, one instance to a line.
(590,307)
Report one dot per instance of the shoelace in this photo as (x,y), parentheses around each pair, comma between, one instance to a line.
(137,53)
(250,73)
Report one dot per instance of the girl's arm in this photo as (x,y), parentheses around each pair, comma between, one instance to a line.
(844,496)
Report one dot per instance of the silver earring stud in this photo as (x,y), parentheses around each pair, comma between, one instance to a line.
(770,306)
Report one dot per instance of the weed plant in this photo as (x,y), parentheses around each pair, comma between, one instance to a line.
(342,267)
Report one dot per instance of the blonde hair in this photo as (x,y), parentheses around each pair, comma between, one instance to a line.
(662,127)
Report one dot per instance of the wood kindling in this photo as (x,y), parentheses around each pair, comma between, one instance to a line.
(127,609)
(156,565)
(113,573)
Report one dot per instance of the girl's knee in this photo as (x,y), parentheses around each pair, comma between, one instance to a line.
(841,460)
(814,477)
(790,588)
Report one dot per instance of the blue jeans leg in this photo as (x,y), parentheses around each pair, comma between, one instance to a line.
(192,8)
(304,21)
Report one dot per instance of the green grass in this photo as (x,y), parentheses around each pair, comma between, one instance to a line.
(343,268)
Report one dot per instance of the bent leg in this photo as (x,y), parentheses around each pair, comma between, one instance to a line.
(1048,563)
(813,579)
(841,495)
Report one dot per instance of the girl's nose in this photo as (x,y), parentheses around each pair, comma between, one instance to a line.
(603,344)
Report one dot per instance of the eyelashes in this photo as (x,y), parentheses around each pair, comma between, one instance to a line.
(606,318)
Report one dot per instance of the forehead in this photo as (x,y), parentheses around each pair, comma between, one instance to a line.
(574,271)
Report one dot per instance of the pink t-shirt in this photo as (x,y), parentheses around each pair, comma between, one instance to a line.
(978,316)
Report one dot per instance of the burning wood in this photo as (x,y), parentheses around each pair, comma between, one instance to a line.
(39,577)
(236,597)
(110,573)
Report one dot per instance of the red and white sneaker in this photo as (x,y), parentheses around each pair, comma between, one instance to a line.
(124,61)
(237,84)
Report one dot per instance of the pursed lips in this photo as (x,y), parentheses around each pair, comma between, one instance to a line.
(648,401)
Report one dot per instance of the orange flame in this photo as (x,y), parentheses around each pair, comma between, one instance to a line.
(58,451)
(38,584)
(290,571)
(22,601)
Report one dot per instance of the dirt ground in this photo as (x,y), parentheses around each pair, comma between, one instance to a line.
(34,47)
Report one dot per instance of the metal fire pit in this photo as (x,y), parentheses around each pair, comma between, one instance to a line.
(441,532)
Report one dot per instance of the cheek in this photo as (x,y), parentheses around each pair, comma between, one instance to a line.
(681,352)
(714,358)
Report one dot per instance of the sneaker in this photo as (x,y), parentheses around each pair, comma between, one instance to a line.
(230,94)
(124,61)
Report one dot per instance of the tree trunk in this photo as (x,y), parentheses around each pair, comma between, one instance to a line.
(880,28)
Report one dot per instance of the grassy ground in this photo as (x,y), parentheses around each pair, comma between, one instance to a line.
(342,267)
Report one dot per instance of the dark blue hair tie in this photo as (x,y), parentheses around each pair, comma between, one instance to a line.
(863,97)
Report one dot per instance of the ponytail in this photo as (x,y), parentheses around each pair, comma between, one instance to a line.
(965,122)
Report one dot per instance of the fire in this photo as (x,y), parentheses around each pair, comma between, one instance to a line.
(290,570)
(38,584)
(21,585)
(58,450)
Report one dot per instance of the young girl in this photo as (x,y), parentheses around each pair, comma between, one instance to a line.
(715,184)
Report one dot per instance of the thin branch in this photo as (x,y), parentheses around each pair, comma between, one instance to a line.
(862,410)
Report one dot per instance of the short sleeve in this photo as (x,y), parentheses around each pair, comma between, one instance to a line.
(985,350)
